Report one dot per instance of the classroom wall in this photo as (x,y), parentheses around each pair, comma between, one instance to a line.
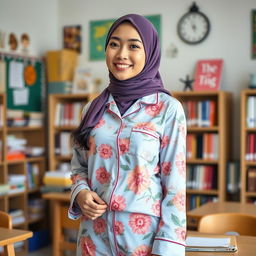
(229,38)
(37,18)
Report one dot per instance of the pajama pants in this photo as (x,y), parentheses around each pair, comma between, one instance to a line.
(117,234)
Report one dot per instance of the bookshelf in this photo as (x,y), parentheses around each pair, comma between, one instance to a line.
(63,109)
(26,169)
(208,144)
(248,146)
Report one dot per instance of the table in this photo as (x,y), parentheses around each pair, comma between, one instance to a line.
(10,236)
(246,247)
(60,203)
(196,214)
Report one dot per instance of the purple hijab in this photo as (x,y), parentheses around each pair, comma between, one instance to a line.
(126,92)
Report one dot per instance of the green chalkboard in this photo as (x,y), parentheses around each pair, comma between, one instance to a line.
(99,30)
(34,102)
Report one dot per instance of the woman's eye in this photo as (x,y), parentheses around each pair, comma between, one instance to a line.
(113,44)
(134,46)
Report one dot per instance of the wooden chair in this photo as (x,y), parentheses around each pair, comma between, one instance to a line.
(221,223)
(5,220)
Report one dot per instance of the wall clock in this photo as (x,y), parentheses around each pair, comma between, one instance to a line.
(194,26)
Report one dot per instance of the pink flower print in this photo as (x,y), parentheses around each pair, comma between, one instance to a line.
(118,203)
(124,145)
(157,169)
(119,228)
(179,201)
(180,162)
(145,126)
(166,168)
(102,175)
(99,225)
(160,224)
(139,223)
(105,151)
(154,110)
(165,141)
(138,179)
(92,146)
(75,178)
(156,208)
(181,233)
(100,123)
(182,130)
(88,248)
(142,250)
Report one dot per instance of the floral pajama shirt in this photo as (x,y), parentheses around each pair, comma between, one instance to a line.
(136,164)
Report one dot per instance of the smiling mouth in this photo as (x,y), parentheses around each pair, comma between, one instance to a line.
(122,66)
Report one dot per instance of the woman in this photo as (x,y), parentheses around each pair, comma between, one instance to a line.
(128,165)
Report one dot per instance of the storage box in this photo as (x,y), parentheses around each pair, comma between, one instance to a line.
(60,65)
(60,87)
(39,240)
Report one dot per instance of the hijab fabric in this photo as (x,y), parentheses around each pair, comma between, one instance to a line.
(125,92)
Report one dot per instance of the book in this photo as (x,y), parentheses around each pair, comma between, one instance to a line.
(208,75)
(211,243)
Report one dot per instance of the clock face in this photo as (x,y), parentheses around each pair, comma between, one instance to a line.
(193,27)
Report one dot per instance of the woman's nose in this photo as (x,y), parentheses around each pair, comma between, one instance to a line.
(122,53)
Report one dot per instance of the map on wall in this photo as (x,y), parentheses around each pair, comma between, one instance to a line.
(99,30)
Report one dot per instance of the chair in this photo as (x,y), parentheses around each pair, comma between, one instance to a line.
(5,220)
(221,223)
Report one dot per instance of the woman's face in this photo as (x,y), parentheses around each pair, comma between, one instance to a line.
(125,54)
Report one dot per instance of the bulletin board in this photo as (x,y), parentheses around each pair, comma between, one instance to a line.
(99,30)
(34,91)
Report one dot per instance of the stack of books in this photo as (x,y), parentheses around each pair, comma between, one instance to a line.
(17,216)
(16,118)
(4,189)
(17,183)
(16,148)
(36,208)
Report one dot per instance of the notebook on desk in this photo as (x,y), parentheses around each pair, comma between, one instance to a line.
(211,243)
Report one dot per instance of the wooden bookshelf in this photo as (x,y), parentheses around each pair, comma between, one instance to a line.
(246,195)
(54,130)
(221,127)
(35,137)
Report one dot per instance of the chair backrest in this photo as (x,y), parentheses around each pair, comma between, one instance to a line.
(221,223)
(5,220)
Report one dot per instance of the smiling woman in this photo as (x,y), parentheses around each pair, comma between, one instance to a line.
(125,54)
(128,165)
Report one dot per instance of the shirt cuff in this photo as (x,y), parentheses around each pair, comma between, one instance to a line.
(74,211)
(166,247)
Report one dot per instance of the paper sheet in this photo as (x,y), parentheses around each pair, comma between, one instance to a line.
(20,97)
(16,79)
(207,241)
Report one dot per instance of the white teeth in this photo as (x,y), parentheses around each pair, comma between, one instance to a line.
(122,65)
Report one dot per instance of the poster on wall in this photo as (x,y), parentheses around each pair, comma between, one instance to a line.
(72,38)
(98,33)
(254,34)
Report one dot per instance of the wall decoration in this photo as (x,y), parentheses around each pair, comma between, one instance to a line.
(254,34)
(13,42)
(208,75)
(99,30)
(24,41)
(72,38)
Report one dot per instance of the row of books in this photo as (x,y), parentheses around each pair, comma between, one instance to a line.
(202,177)
(233,177)
(251,179)
(200,113)
(250,154)
(33,175)
(63,144)
(251,112)
(203,146)
(68,113)
(198,200)
(23,118)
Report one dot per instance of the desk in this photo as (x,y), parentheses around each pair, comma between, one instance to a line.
(10,236)
(218,207)
(246,247)
(60,203)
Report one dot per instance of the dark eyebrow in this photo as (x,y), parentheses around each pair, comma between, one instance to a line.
(130,40)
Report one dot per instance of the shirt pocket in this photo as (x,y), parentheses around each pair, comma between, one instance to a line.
(145,144)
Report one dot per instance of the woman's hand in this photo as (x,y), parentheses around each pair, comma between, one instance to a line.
(92,206)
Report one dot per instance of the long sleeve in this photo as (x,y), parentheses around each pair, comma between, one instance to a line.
(170,237)
(79,176)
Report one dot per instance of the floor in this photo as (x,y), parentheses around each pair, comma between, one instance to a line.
(47,251)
